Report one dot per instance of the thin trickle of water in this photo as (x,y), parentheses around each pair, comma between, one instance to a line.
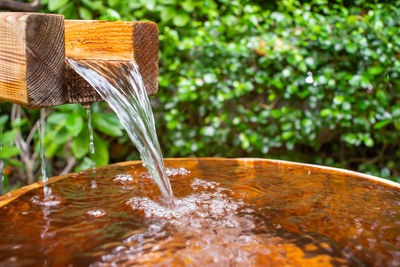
(121,85)
(46,189)
(40,127)
(91,138)
(89,115)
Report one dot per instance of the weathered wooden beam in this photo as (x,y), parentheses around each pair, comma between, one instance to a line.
(116,41)
(33,47)
(32,59)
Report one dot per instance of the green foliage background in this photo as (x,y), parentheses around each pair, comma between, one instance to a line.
(309,81)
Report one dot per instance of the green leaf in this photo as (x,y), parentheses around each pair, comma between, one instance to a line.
(113,3)
(74,124)
(350,138)
(245,142)
(80,144)
(150,4)
(84,13)
(107,123)
(53,146)
(68,11)
(61,137)
(57,118)
(8,137)
(14,162)
(369,142)
(112,14)
(351,48)
(94,5)
(167,14)
(9,151)
(54,5)
(180,20)
(3,119)
(381,124)
(101,155)
(287,135)
(188,5)
(18,123)
(52,149)
(326,112)
(375,70)
(86,164)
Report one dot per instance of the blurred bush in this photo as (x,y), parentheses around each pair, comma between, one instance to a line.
(309,81)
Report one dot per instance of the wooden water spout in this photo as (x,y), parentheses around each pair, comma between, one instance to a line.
(33,47)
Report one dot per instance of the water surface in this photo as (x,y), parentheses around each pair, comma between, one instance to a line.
(228,212)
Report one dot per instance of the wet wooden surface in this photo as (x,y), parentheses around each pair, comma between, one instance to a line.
(114,41)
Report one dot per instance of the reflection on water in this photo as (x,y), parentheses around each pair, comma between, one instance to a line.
(248,213)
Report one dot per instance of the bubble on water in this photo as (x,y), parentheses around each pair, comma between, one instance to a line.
(212,224)
(48,201)
(169,171)
(197,183)
(177,171)
(96,212)
(198,211)
(126,180)
(123,178)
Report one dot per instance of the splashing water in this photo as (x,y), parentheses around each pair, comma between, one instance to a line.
(121,86)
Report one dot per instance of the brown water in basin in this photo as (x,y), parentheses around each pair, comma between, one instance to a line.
(227,212)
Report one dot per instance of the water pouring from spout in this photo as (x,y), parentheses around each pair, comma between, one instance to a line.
(120,84)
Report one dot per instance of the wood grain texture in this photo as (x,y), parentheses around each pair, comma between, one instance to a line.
(32,59)
(114,41)
(13,58)
(33,47)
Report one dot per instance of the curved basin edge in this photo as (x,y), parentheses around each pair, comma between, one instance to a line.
(8,197)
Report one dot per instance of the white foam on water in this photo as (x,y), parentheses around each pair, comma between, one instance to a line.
(123,178)
(203,225)
(96,212)
(176,171)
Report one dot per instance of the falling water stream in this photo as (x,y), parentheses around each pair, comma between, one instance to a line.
(121,85)
(91,143)
(91,138)
(46,189)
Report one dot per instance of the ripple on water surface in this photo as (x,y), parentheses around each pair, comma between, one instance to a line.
(225,213)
